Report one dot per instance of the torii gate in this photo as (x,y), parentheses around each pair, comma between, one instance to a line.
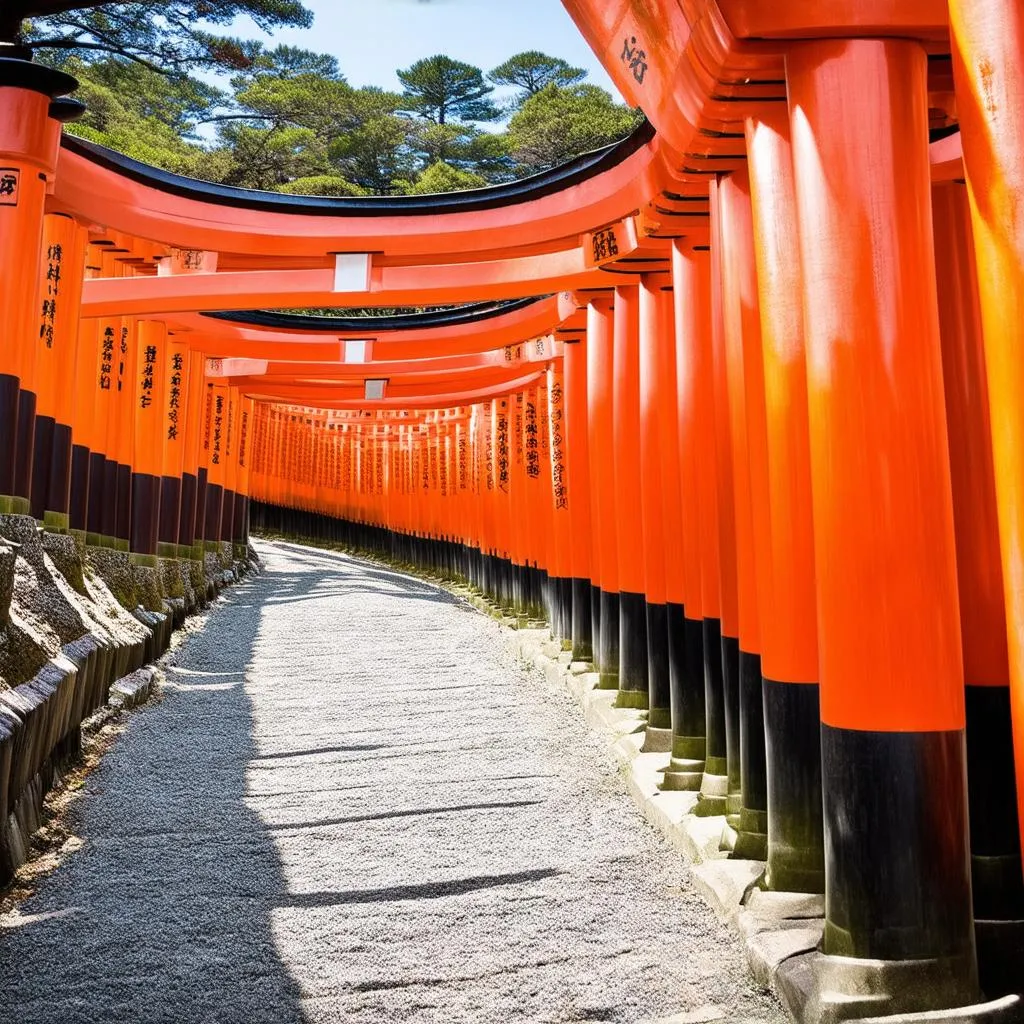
(754,474)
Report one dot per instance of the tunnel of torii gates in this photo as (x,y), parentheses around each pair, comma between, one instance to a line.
(735,404)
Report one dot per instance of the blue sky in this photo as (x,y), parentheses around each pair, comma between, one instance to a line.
(373,38)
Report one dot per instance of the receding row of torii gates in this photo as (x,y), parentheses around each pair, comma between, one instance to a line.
(736,404)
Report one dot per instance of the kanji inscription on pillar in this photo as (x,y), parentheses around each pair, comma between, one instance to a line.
(10,185)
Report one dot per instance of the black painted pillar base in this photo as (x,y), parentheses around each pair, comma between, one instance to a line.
(42,456)
(582,624)
(9,388)
(199,522)
(751,841)
(79,506)
(608,651)
(731,689)
(997,883)
(25,444)
(565,608)
(633,684)
(897,864)
(108,499)
(145,517)
(686,672)
(796,840)
(170,511)
(659,689)
(187,520)
(212,513)
(124,502)
(58,483)
(97,488)
(714,785)
(227,515)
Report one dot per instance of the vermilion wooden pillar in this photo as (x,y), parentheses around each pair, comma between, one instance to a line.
(145,390)
(520,581)
(789,659)
(745,373)
(30,125)
(600,428)
(691,300)
(578,456)
(625,451)
(988,41)
(672,505)
(897,866)
(655,391)
(174,406)
(61,274)
(721,635)
(560,547)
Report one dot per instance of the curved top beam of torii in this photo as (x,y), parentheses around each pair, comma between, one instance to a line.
(442,395)
(288,337)
(122,195)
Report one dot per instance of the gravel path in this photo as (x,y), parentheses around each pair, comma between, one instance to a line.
(353,806)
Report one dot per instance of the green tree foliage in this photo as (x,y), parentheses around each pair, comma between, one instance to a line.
(441,90)
(559,123)
(532,71)
(288,120)
(321,185)
(147,116)
(172,36)
(442,177)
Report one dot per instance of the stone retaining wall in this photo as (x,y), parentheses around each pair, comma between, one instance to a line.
(73,622)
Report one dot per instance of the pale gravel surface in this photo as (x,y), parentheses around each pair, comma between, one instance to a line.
(353,806)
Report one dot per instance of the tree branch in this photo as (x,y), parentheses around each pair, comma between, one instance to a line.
(75,43)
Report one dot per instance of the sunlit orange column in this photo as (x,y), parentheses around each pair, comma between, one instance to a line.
(578,461)
(560,568)
(722,665)
(212,509)
(988,41)
(517,469)
(625,453)
(121,424)
(30,125)
(502,496)
(692,323)
(61,273)
(243,473)
(666,386)
(655,384)
(745,372)
(604,527)
(897,867)
(173,408)
(193,479)
(144,392)
(789,656)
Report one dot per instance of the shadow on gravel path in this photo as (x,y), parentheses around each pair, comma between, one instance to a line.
(164,915)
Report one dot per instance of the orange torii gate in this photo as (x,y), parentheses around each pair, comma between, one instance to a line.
(735,406)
